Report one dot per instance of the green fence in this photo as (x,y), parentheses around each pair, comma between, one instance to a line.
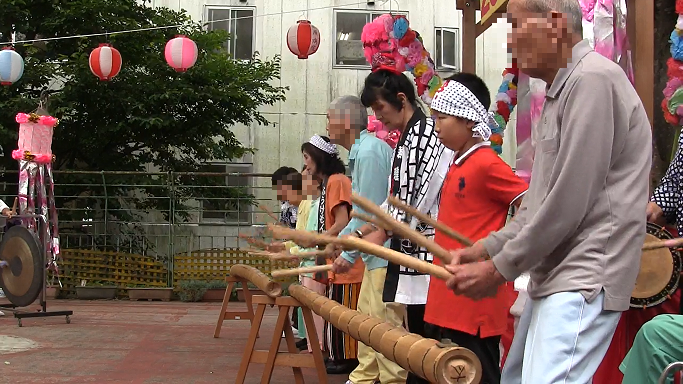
(158,215)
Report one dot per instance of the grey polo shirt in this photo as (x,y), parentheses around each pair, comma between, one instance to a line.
(582,224)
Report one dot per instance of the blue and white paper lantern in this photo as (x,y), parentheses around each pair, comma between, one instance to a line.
(11,66)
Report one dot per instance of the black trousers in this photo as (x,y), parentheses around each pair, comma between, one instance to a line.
(416,324)
(295,317)
(487,350)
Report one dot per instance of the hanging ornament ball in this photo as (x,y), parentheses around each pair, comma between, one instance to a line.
(181,53)
(303,39)
(105,62)
(11,66)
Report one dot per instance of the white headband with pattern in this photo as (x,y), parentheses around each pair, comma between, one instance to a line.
(323,145)
(457,100)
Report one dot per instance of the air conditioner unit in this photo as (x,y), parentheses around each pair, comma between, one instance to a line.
(350,50)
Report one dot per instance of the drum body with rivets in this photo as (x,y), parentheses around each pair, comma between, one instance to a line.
(22,279)
(660,271)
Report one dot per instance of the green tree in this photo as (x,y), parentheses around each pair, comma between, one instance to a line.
(148,114)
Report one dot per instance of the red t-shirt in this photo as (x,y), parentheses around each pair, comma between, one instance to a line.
(475,201)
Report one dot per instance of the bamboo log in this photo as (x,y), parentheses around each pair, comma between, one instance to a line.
(450,232)
(425,357)
(369,248)
(299,271)
(671,243)
(403,229)
(258,278)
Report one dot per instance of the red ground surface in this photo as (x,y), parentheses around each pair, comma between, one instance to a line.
(138,343)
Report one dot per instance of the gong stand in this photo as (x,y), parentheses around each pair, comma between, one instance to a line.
(44,239)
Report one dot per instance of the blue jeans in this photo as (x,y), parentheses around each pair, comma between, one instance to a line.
(560,338)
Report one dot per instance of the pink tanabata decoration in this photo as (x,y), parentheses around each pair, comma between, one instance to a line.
(35,137)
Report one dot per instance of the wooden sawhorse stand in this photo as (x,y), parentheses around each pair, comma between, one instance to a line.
(234,315)
(291,358)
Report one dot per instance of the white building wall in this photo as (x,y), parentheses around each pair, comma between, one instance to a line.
(315,82)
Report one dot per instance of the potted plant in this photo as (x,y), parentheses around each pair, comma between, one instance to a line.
(52,291)
(96,290)
(215,291)
(144,292)
(192,290)
(252,289)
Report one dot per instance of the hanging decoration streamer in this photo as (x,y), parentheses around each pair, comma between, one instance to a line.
(11,66)
(504,104)
(672,105)
(36,183)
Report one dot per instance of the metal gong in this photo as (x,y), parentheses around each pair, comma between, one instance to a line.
(22,279)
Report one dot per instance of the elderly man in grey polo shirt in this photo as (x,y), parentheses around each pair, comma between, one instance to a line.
(581,226)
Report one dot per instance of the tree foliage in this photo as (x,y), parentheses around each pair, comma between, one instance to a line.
(147,115)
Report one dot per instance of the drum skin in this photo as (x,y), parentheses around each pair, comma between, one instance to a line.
(660,271)
(22,281)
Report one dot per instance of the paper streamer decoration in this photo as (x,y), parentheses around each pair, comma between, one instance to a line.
(36,182)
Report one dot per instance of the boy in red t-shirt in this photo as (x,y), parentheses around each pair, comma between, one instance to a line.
(475,200)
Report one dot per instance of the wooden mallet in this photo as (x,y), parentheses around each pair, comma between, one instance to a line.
(450,232)
(366,247)
(253,242)
(402,229)
(269,213)
(671,243)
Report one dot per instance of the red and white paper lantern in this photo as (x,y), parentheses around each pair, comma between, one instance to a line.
(303,39)
(181,53)
(105,62)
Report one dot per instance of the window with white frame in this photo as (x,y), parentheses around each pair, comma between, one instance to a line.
(447,48)
(348,48)
(239,23)
(228,193)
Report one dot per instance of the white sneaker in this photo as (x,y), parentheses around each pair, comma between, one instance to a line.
(349,382)
(2,313)
(2,294)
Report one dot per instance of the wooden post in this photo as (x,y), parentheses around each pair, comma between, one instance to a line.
(248,314)
(471,30)
(469,34)
(641,31)
(273,356)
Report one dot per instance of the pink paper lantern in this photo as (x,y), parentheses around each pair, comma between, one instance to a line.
(303,39)
(105,62)
(181,53)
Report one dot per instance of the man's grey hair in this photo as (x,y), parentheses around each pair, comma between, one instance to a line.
(571,8)
(352,107)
